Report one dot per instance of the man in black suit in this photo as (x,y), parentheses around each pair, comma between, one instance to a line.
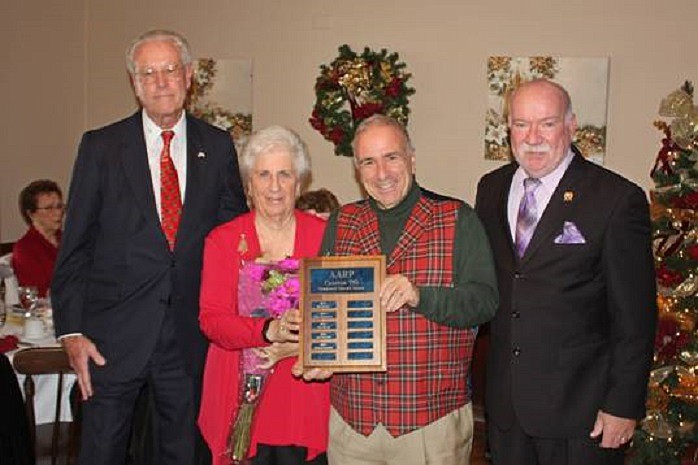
(145,192)
(572,341)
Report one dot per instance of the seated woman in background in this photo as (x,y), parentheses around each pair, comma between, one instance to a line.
(34,254)
(321,202)
(291,418)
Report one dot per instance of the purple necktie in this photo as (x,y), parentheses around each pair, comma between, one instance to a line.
(528,215)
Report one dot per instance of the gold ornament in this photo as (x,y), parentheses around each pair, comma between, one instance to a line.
(664,304)
(686,321)
(677,104)
(660,374)
(690,357)
(687,390)
(656,425)
(686,428)
(568,196)
(688,287)
(355,77)
(657,398)
(684,132)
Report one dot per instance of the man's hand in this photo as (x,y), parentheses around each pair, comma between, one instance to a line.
(80,350)
(616,431)
(314,374)
(397,291)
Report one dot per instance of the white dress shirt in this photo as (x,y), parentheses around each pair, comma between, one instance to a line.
(178,152)
(543,194)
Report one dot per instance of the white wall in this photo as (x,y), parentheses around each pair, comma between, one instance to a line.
(445,45)
(43,96)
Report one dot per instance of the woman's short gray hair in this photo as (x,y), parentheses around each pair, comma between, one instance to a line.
(158,35)
(274,138)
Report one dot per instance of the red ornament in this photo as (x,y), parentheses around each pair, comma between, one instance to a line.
(336,135)
(669,340)
(689,201)
(361,112)
(668,277)
(393,89)
(665,156)
(692,251)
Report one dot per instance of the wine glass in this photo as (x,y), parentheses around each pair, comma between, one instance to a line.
(28,295)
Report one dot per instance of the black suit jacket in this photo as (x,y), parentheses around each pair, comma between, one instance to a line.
(115,276)
(575,329)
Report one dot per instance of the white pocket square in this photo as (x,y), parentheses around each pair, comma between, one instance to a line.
(570,235)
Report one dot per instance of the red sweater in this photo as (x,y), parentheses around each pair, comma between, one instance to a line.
(290,411)
(33,259)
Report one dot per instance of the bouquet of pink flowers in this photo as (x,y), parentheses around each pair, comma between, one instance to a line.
(264,290)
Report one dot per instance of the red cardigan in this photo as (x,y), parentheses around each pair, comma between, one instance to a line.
(33,259)
(291,411)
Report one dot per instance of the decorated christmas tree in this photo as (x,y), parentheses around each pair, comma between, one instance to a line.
(668,434)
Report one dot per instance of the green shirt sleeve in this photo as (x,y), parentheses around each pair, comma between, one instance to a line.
(473,299)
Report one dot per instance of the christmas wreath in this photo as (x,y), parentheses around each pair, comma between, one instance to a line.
(354,87)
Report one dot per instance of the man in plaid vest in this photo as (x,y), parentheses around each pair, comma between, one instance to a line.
(440,286)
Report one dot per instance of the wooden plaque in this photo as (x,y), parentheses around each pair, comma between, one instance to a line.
(343,324)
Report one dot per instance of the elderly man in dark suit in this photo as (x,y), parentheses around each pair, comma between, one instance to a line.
(571,343)
(145,192)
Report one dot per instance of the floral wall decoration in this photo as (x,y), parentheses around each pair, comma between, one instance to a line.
(586,79)
(221,94)
(354,87)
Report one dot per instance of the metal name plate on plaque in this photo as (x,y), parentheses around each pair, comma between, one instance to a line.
(343,325)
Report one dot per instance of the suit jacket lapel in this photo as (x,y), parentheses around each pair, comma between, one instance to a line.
(134,157)
(558,209)
(195,171)
(503,207)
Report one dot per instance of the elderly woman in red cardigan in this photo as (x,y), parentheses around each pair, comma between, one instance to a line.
(291,419)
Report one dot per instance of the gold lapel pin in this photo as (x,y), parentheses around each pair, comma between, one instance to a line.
(242,245)
(568,196)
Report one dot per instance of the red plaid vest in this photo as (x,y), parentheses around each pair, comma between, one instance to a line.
(428,363)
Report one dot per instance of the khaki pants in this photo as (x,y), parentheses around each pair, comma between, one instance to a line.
(447,441)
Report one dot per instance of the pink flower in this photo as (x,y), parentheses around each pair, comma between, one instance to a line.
(257,271)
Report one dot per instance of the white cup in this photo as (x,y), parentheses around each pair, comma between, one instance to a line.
(34,328)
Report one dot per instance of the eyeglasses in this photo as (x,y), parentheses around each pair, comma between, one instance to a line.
(58,207)
(171,73)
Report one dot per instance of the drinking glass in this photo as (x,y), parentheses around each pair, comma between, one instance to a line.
(28,295)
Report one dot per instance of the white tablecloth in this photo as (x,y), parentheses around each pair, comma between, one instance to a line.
(45,385)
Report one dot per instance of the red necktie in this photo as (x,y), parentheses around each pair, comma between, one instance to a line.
(170,199)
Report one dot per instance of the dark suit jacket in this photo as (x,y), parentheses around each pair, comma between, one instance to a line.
(116,278)
(575,328)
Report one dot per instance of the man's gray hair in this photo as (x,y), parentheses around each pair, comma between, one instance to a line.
(380,119)
(158,35)
(274,138)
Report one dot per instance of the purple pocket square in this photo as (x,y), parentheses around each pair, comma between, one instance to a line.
(570,235)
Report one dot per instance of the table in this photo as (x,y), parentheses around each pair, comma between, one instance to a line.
(45,385)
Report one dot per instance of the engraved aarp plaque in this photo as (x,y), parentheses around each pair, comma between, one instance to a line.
(343,325)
